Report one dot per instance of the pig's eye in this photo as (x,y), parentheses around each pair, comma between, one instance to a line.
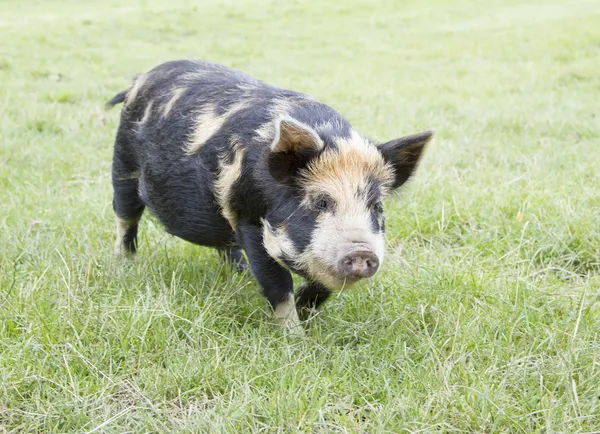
(324,203)
(378,208)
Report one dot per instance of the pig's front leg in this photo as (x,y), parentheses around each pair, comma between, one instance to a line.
(276,281)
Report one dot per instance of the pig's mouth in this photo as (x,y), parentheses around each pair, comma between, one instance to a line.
(331,278)
(343,282)
(350,280)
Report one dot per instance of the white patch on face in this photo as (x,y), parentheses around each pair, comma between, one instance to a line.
(277,243)
(337,234)
(343,174)
(228,175)
(209,122)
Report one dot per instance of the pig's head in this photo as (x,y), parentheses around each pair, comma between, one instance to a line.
(326,218)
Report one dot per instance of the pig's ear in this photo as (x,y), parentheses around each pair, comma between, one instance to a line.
(404,155)
(293,146)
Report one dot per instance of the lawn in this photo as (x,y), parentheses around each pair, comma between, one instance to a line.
(486,315)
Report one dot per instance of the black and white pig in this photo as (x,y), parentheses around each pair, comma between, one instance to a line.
(227,161)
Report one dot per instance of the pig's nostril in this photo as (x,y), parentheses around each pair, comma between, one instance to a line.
(372,264)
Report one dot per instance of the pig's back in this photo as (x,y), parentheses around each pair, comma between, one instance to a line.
(183,108)
(183,118)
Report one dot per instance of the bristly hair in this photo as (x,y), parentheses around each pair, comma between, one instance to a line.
(354,161)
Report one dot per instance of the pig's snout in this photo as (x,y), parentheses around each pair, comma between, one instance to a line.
(359,264)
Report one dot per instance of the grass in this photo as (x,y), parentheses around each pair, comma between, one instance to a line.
(486,317)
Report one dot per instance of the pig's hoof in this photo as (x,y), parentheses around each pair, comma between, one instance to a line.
(120,251)
(286,315)
(292,326)
(297,331)
(125,257)
(235,258)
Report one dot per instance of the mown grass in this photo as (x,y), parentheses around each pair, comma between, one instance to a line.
(486,316)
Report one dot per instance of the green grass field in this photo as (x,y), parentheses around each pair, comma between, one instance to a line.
(486,316)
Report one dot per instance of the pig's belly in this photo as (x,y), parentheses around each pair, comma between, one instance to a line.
(189,212)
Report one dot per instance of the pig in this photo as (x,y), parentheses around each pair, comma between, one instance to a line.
(227,161)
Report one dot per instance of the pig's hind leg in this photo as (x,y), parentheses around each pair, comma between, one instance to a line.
(127,204)
(235,258)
